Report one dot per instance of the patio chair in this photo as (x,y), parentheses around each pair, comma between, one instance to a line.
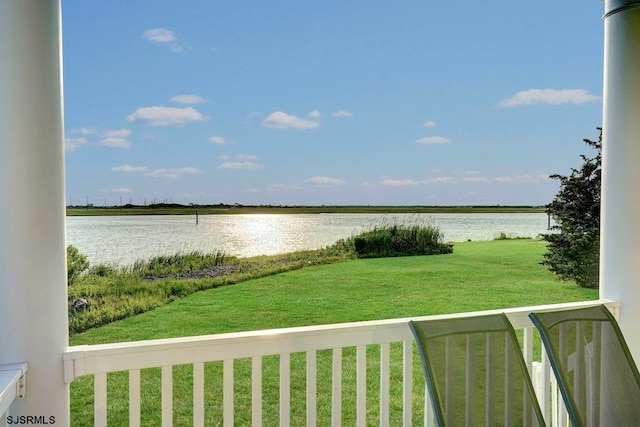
(475,372)
(597,376)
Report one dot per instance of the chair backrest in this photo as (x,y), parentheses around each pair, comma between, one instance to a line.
(597,376)
(475,372)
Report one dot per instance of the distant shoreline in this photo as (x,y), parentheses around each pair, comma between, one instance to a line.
(176,209)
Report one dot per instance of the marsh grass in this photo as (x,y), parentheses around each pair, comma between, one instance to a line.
(116,293)
(390,236)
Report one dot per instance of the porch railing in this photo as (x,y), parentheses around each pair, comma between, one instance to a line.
(12,386)
(399,383)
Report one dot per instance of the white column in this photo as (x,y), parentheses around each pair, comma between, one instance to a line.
(620,219)
(33,291)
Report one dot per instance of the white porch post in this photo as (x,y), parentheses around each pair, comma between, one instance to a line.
(620,219)
(33,290)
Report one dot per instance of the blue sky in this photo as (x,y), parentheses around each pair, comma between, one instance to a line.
(334,102)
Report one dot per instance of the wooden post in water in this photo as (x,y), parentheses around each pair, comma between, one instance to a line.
(196,216)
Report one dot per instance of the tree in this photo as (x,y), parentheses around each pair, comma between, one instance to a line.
(573,250)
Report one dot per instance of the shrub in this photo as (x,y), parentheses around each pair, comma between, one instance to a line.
(391,240)
(77,263)
(103,270)
(573,250)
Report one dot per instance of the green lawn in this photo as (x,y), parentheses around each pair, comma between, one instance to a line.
(477,276)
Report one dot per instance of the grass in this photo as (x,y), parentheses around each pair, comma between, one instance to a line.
(116,293)
(477,276)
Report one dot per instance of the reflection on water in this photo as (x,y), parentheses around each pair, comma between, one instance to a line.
(125,239)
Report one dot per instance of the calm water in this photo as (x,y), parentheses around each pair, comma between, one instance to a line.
(125,239)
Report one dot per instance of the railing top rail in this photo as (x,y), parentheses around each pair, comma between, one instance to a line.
(11,384)
(90,359)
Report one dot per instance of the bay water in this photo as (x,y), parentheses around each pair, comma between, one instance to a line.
(125,239)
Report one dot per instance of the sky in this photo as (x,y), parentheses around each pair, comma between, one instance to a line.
(337,102)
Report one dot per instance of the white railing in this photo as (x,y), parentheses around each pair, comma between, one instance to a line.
(12,386)
(399,388)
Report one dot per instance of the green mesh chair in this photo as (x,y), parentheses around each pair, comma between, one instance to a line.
(598,379)
(475,372)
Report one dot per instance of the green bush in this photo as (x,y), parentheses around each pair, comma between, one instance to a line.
(574,246)
(391,240)
(77,263)
(103,270)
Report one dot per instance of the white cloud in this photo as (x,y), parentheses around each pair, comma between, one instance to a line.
(441,180)
(119,133)
(281,120)
(314,114)
(251,190)
(189,99)
(246,156)
(72,144)
(85,131)
(172,173)
(283,187)
(503,179)
(164,36)
(342,113)
(129,168)
(117,190)
(114,142)
(324,181)
(247,165)
(480,179)
(430,140)
(429,124)
(218,140)
(166,116)
(549,96)
(388,182)
(223,157)
(159,35)
(530,179)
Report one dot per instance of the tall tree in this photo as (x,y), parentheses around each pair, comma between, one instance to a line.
(573,250)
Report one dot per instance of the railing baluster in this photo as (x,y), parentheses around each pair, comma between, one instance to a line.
(134,398)
(528,348)
(336,386)
(469,386)
(407,383)
(167,396)
(227,393)
(489,416)
(528,361)
(285,390)
(578,370)
(100,399)
(198,394)
(256,391)
(361,385)
(428,410)
(448,383)
(545,387)
(595,376)
(508,387)
(312,382)
(384,383)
